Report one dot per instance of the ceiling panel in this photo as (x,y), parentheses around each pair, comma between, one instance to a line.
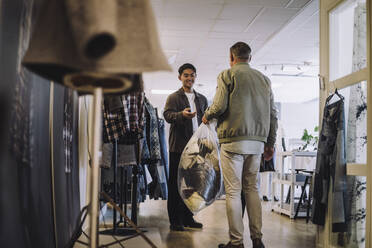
(192,2)
(213,43)
(277,15)
(224,35)
(244,12)
(193,24)
(298,3)
(262,30)
(274,3)
(236,26)
(250,2)
(183,33)
(179,43)
(187,10)
(201,32)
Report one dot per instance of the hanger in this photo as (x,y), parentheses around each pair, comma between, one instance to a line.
(331,99)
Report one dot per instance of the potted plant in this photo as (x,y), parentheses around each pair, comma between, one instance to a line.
(310,139)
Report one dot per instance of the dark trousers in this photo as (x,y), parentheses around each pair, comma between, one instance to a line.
(178,213)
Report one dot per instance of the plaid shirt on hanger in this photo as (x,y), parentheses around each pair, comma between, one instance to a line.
(127,120)
(136,101)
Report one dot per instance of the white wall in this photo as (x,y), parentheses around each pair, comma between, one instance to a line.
(295,117)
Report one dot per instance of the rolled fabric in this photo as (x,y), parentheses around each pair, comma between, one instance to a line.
(56,53)
(94,26)
(86,82)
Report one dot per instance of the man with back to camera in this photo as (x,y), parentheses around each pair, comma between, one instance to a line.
(247,124)
(184,110)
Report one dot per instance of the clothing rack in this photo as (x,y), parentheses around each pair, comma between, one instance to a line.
(123,190)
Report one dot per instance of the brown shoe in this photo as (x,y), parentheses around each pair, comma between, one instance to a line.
(229,245)
(257,243)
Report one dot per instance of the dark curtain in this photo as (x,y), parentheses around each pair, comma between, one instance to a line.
(25,192)
(66,169)
(26,195)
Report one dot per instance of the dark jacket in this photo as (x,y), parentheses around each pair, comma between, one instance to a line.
(181,128)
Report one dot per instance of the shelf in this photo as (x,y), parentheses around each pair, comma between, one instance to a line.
(286,210)
(292,179)
(288,182)
(298,154)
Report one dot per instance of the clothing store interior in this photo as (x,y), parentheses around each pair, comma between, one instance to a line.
(185,123)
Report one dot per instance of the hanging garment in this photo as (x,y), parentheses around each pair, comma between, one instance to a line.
(162,180)
(67,129)
(82,45)
(145,151)
(66,194)
(123,117)
(331,169)
(126,155)
(155,187)
(25,173)
(107,181)
(152,132)
(142,184)
(21,107)
(163,147)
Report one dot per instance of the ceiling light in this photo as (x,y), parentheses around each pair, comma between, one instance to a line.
(290,68)
(172,59)
(162,92)
(171,55)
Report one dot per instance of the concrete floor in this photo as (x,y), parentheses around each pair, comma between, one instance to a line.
(279,231)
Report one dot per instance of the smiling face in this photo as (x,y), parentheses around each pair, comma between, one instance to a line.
(187,78)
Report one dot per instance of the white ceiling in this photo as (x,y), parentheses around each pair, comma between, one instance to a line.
(201,32)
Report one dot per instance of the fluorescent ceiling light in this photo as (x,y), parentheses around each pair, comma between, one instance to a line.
(171,55)
(162,92)
(291,68)
(293,75)
(172,59)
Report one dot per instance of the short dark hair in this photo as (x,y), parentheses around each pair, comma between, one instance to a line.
(240,50)
(186,66)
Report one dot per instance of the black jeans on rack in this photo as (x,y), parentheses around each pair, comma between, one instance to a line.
(178,212)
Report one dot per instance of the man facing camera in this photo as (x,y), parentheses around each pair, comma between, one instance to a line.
(184,110)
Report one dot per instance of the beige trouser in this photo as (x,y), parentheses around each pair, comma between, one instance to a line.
(240,172)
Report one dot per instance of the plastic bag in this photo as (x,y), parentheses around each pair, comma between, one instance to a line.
(199,170)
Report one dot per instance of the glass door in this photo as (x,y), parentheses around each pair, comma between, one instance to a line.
(345,66)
